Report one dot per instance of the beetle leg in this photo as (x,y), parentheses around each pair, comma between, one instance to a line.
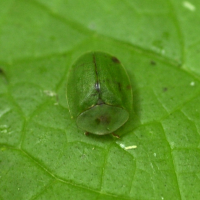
(115,135)
(86,133)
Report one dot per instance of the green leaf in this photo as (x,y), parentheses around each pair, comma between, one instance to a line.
(43,155)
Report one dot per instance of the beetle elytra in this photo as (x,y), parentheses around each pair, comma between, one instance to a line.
(99,93)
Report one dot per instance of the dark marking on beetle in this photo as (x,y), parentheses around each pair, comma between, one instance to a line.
(97,84)
(119,86)
(107,80)
(153,62)
(103,119)
(165,89)
(128,87)
(94,94)
(115,60)
(100,102)
(78,66)
(97,87)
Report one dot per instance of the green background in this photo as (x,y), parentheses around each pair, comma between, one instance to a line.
(43,155)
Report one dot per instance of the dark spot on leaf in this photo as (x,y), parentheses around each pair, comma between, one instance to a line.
(3,75)
(2,72)
(165,89)
(128,87)
(119,86)
(115,60)
(64,54)
(153,62)
(52,37)
(179,65)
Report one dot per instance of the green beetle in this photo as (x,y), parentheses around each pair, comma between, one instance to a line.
(99,93)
